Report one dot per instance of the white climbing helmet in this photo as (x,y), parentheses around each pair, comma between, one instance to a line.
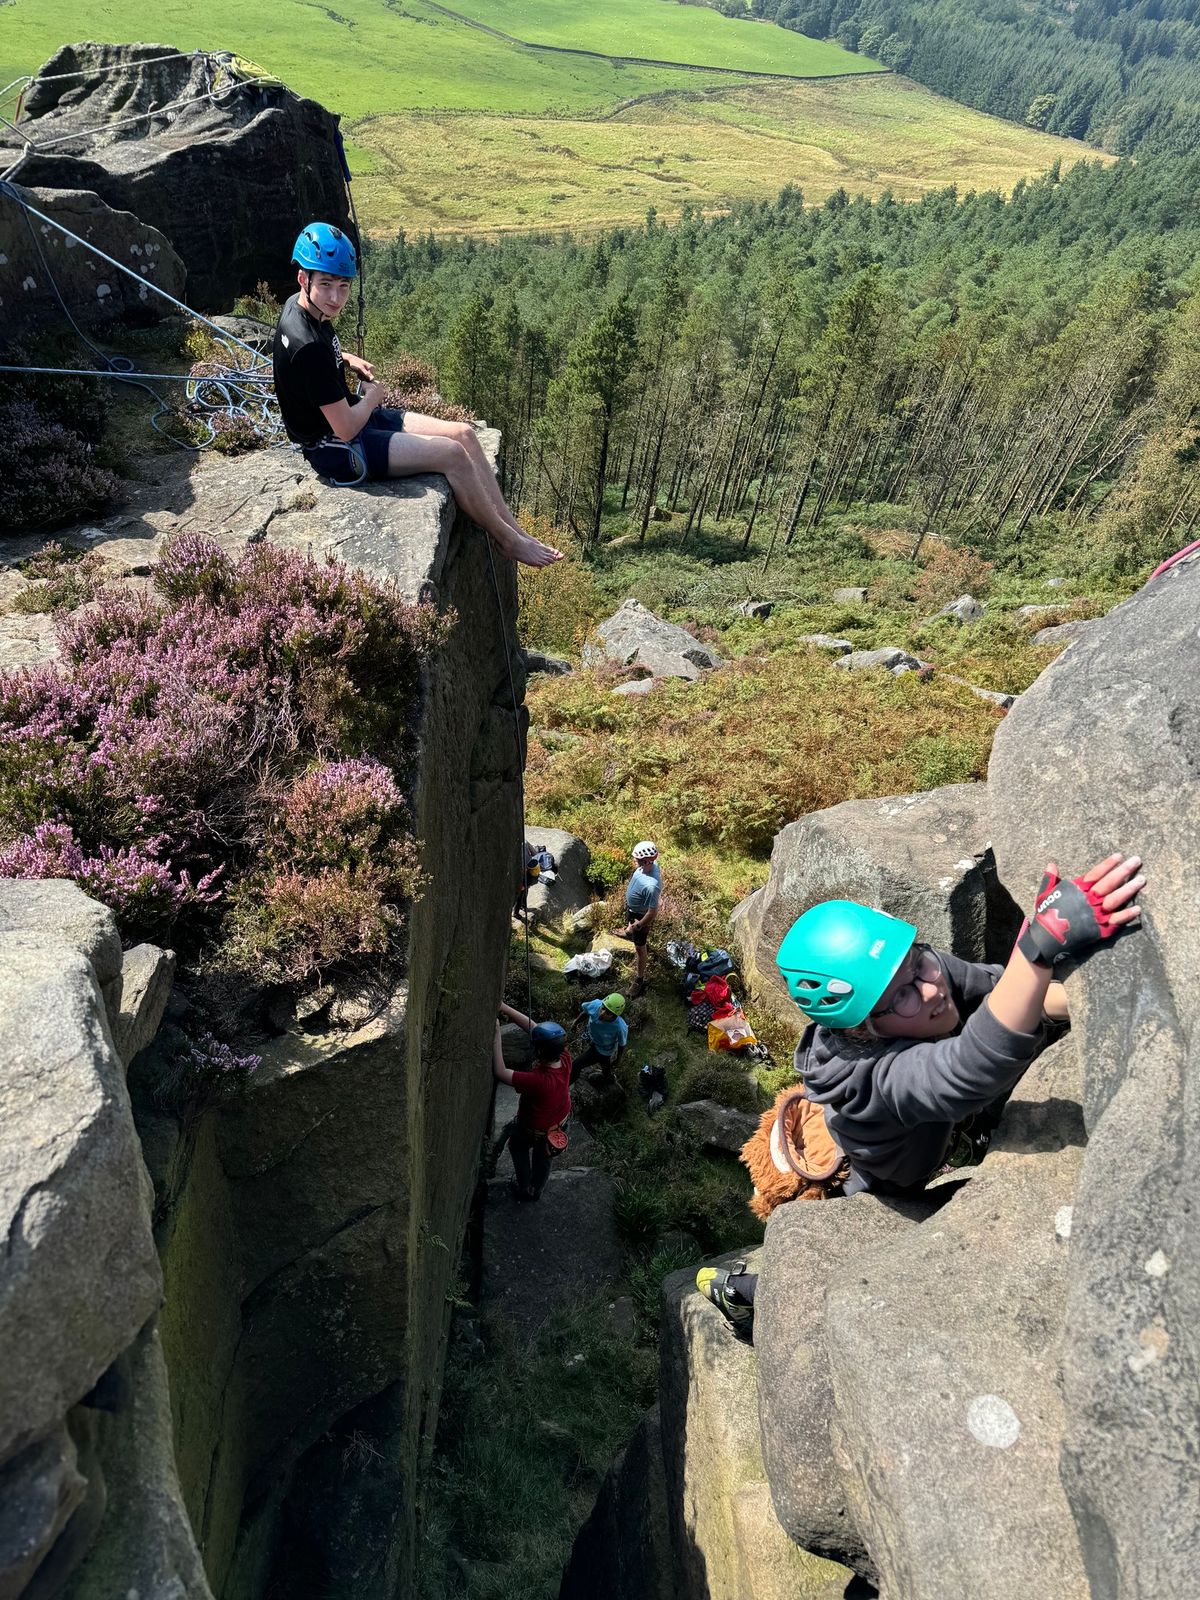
(646,851)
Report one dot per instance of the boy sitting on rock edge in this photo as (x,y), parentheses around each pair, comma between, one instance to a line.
(346,437)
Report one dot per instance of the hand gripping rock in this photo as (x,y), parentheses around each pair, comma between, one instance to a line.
(1068,917)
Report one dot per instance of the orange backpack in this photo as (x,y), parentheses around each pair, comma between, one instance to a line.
(792,1155)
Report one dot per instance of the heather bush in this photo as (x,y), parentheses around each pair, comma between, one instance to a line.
(48,471)
(199,759)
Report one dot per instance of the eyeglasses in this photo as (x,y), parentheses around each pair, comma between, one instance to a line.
(908,999)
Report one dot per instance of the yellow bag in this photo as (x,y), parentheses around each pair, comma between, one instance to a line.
(730,1032)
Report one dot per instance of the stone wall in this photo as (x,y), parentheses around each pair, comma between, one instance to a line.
(272,1421)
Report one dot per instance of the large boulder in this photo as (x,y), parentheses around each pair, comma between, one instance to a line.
(568,891)
(96,292)
(807,1247)
(228,175)
(635,636)
(944,1347)
(81,1275)
(1131,1356)
(1066,632)
(726,1537)
(924,857)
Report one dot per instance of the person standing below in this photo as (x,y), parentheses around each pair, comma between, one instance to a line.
(537,1132)
(608,1034)
(642,895)
(347,437)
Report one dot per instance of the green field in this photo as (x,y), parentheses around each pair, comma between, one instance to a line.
(453,128)
(664,30)
(371,56)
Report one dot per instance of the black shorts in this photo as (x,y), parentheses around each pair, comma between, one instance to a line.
(365,457)
(640,935)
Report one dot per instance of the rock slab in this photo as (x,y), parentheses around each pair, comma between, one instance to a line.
(1131,1362)
(568,891)
(726,1538)
(81,1275)
(633,635)
(944,1350)
(809,1246)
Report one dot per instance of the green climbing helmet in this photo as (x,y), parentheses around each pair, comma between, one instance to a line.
(839,957)
(615,1003)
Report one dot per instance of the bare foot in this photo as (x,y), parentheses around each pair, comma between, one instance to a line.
(531,552)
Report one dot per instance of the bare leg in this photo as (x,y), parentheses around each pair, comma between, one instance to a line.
(474,484)
(409,453)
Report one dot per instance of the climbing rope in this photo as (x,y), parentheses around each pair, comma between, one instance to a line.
(221,389)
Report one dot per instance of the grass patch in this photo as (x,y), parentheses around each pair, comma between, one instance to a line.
(489,174)
(662,31)
(526,1434)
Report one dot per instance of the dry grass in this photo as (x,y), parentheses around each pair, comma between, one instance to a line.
(475,173)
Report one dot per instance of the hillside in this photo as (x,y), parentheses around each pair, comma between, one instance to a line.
(453,127)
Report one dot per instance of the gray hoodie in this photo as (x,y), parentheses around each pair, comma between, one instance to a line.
(892,1104)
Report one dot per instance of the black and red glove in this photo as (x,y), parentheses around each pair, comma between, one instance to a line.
(1068,917)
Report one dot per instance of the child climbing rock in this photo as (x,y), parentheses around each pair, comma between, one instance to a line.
(906,1044)
(348,437)
(537,1134)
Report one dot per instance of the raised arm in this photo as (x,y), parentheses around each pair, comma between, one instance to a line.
(516,1016)
(499,1070)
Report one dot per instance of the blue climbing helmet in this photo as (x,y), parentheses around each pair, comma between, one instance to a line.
(839,957)
(321,247)
(549,1040)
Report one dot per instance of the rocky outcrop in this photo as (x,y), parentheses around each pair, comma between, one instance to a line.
(717,1127)
(890,658)
(1131,1362)
(35,257)
(726,1537)
(634,636)
(203,128)
(1065,632)
(807,1249)
(965,609)
(267,1431)
(82,1280)
(924,857)
(568,891)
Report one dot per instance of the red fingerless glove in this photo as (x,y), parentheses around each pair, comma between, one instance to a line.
(1069,916)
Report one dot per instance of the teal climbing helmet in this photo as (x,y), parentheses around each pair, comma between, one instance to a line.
(321,247)
(839,957)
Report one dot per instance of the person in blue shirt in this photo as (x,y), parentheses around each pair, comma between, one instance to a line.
(642,895)
(607,1031)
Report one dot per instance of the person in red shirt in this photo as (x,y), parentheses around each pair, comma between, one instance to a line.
(544,1104)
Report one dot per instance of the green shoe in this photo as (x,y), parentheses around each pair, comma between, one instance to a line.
(713,1284)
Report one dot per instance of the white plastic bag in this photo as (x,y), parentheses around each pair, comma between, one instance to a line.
(591,964)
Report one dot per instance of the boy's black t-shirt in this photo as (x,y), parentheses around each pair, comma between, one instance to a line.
(308,373)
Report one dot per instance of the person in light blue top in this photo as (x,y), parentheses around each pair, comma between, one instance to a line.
(642,894)
(607,1031)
